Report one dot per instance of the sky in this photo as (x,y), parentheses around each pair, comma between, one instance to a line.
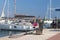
(31,7)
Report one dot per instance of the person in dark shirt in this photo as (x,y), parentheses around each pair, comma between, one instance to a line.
(53,24)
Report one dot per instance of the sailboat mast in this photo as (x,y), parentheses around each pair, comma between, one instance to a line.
(14,7)
(8,10)
(47,11)
(4,4)
(50,8)
(3,15)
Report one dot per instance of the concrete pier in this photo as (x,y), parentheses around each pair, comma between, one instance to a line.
(47,33)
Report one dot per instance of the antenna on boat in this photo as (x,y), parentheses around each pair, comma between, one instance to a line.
(47,12)
(50,8)
(14,7)
(8,10)
(3,15)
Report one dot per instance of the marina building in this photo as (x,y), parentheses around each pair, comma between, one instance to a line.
(25,17)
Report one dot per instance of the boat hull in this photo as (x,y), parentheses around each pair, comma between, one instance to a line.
(48,22)
(15,27)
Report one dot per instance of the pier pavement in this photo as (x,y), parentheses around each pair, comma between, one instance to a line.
(47,35)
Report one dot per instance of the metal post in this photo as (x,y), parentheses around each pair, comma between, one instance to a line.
(14,7)
(8,10)
(50,8)
(58,10)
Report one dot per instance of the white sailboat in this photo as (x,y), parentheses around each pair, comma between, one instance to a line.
(11,25)
(46,20)
(2,18)
(49,21)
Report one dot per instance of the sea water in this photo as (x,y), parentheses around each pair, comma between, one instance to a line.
(4,33)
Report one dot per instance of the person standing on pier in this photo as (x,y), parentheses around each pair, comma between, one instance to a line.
(40,29)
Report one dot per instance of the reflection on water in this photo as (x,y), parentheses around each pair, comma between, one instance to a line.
(6,33)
